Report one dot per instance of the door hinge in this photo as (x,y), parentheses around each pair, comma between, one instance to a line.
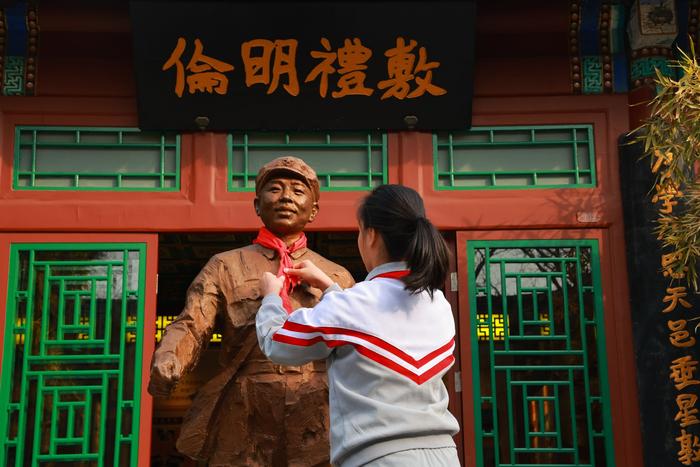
(454,282)
(458,381)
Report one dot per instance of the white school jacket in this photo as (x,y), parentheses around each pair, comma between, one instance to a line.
(386,351)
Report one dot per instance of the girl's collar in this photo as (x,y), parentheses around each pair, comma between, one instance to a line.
(386,267)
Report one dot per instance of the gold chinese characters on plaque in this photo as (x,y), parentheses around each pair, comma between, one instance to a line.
(272,63)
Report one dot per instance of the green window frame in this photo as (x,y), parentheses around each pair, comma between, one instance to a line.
(541,340)
(472,147)
(37,149)
(73,352)
(367,150)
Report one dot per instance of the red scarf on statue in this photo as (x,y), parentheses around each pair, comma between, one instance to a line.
(273,242)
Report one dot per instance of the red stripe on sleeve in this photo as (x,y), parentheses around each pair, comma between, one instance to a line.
(305,328)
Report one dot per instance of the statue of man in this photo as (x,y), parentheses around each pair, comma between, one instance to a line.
(254,412)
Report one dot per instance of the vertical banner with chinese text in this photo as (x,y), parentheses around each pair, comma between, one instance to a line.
(309,65)
(663,309)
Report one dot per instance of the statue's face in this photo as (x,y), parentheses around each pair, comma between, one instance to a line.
(285,204)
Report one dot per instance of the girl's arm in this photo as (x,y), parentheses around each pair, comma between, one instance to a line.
(272,316)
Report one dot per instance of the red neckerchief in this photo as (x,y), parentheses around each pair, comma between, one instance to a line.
(269,240)
(393,274)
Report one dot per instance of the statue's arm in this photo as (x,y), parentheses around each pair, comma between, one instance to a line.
(186,337)
(342,277)
(347,280)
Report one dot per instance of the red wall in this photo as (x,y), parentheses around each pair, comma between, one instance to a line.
(85,77)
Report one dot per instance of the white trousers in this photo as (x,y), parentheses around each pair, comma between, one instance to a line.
(437,457)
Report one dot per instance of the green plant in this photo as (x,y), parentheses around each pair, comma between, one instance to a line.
(671,138)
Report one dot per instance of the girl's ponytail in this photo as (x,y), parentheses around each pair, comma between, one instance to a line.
(427,257)
(397,213)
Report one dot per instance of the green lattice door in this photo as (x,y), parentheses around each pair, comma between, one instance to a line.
(71,369)
(538,354)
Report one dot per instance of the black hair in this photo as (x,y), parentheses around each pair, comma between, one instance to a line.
(397,213)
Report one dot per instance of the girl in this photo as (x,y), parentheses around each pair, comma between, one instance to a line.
(388,340)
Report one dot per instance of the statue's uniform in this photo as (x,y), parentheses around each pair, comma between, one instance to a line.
(254,413)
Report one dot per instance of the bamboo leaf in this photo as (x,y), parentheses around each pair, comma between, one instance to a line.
(672,134)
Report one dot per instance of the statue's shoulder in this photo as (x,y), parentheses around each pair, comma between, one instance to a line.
(335,271)
(245,254)
(238,267)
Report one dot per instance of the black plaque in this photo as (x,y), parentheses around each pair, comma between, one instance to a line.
(654,352)
(262,65)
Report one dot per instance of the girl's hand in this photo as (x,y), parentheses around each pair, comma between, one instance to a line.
(271,284)
(311,274)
